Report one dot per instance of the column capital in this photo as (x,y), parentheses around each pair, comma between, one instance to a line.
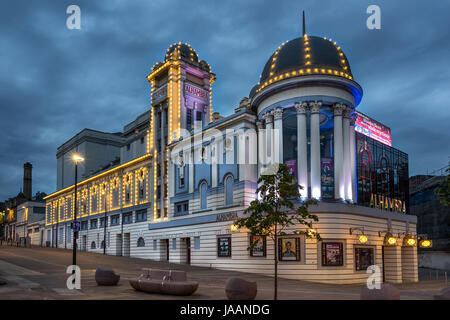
(347,112)
(268,118)
(301,107)
(259,125)
(352,119)
(338,109)
(315,106)
(277,113)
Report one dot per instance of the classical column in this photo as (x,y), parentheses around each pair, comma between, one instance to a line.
(352,148)
(339,190)
(261,147)
(269,140)
(346,150)
(302,161)
(316,191)
(162,157)
(278,135)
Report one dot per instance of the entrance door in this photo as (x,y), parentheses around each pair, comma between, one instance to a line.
(118,244)
(188,248)
(126,244)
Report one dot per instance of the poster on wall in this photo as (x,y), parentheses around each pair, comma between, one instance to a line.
(224,246)
(289,249)
(259,248)
(292,164)
(327,177)
(372,128)
(332,254)
(364,257)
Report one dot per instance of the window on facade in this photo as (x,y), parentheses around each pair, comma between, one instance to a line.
(158,192)
(115,220)
(224,246)
(69,234)
(158,213)
(229,190)
(102,222)
(36,229)
(197,243)
(94,224)
(141,191)
(127,218)
(189,119)
(102,244)
(141,242)
(181,208)
(203,188)
(93,245)
(128,147)
(142,140)
(61,235)
(165,212)
(141,215)
(84,225)
(127,197)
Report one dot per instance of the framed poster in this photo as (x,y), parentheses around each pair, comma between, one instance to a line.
(364,257)
(332,254)
(259,250)
(327,177)
(224,246)
(289,249)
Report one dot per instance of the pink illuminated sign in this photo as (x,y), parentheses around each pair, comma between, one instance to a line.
(373,129)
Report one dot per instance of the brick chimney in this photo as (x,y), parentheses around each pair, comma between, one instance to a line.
(27,170)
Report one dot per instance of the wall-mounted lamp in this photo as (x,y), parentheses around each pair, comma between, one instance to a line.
(312,232)
(424,242)
(362,238)
(389,239)
(233,227)
(408,240)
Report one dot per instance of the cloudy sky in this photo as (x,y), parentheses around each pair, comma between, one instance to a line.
(54,81)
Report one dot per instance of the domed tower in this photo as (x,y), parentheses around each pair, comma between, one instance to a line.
(181,100)
(308,95)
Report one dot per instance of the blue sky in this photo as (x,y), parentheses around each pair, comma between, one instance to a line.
(54,81)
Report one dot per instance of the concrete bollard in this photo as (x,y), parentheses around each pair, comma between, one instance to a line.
(387,291)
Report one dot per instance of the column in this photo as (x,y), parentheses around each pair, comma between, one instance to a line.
(315,149)
(346,145)
(162,157)
(261,147)
(278,135)
(338,152)
(302,161)
(352,157)
(269,151)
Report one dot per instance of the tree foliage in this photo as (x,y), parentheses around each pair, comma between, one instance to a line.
(443,190)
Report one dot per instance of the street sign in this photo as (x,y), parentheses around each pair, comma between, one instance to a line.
(76,225)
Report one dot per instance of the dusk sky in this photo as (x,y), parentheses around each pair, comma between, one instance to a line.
(54,81)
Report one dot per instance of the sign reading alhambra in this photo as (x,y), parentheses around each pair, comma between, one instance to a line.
(382,202)
(195,91)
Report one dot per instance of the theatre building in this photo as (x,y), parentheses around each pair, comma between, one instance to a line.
(185,174)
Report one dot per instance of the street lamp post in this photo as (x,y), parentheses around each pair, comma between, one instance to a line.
(76,158)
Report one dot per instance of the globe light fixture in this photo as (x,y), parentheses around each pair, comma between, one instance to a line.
(233,227)
(363,239)
(425,243)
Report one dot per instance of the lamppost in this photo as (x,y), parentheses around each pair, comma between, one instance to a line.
(76,158)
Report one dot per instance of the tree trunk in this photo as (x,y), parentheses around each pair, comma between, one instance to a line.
(275,291)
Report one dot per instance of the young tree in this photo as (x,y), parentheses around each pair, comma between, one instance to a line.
(276,208)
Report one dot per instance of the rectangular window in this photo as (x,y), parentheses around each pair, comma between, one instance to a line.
(128,147)
(197,243)
(84,225)
(181,208)
(174,244)
(109,239)
(224,246)
(142,140)
(102,222)
(141,215)
(364,257)
(94,224)
(188,119)
(259,246)
(127,218)
(69,234)
(155,245)
(332,254)
(115,220)
(289,249)
(61,235)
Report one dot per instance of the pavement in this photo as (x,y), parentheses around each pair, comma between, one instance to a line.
(40,274)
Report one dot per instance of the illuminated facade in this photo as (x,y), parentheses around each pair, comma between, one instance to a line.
(178,200)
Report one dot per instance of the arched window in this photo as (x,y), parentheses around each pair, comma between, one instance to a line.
(229,190)
(203,187)
(93,245)
(141,242)
(102,245)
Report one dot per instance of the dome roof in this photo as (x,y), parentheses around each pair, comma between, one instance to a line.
(305,56)
(185,51)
